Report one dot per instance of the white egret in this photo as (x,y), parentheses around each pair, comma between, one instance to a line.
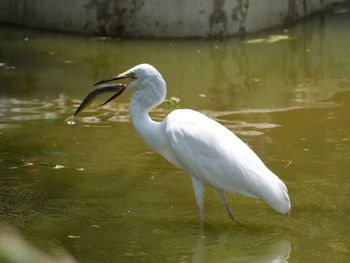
(210,153)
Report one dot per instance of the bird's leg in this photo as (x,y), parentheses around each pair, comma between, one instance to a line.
(222,196)
(198,189)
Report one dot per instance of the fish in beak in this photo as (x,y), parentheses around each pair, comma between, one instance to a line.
(118,88)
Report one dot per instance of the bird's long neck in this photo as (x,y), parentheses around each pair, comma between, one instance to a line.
(142,101)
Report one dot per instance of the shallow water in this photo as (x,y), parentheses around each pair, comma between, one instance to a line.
(95,190)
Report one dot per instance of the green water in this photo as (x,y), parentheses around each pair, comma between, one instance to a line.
(97,191)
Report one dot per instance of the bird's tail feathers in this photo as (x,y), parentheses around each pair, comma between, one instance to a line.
(277,197)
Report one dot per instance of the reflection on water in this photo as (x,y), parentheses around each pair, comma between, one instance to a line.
(224,250)
(96,190)
(14,111)
(14,248)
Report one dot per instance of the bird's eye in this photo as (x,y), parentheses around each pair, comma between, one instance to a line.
(133,76)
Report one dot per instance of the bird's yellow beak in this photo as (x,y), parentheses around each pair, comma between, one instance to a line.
(119,76)
(125,75)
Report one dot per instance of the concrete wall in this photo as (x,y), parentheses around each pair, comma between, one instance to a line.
(157,18)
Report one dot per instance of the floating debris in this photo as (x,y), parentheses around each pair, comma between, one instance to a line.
(269,40)
(256,41)
(172,101)
(70,120)
(276,38)
(289,162)
(73,237)
(57,166)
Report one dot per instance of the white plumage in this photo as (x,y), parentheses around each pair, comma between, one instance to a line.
(210,153)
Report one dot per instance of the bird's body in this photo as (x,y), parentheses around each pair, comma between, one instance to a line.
(210,153)
(215,156)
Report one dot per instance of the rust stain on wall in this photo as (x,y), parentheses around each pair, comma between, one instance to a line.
(239,13)
(158,18)
(116,17)
(218,19)
(292,13)
(305,6)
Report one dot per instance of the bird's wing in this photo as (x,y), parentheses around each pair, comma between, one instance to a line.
(212,153)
